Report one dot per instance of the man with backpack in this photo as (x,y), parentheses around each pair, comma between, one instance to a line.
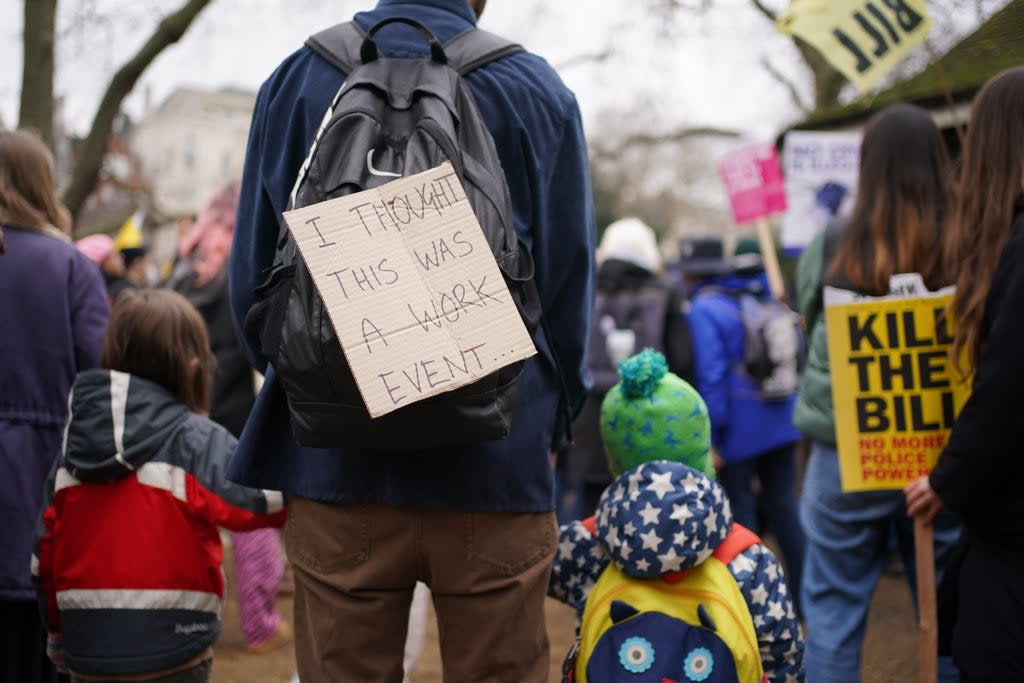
(372,511)
(749,351)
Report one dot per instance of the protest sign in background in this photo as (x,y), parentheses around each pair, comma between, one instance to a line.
(753,179)
(894,390)
(863,39)
(411,287)
(821,172)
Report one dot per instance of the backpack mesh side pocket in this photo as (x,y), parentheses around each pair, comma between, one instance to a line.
(265,319)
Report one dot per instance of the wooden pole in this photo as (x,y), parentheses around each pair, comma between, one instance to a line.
(770,258)
(927,618)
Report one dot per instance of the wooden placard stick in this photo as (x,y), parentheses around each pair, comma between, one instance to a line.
(770,258)
(927,617)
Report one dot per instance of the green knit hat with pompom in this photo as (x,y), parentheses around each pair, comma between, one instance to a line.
(652,414)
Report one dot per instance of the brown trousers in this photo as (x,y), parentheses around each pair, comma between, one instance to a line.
(356,566)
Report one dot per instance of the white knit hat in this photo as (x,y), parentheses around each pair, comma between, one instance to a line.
(630,239)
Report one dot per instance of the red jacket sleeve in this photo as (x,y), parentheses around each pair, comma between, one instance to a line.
(42,559)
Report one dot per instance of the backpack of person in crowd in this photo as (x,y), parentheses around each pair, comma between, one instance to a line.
(392,118)
(692,625)
(624,323)
(774,349)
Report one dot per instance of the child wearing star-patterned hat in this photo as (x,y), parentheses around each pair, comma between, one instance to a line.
(664,515)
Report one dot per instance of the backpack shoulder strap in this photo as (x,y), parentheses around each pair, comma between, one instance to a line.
(339,45)
(469,50)
(590,524)
(474,48)
(739,539)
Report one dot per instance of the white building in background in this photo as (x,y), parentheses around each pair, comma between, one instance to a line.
(191,145)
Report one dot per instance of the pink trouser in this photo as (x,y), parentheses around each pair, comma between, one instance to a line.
(259,565)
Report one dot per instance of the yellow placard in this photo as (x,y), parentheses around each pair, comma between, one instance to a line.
(894,390)
(863,39)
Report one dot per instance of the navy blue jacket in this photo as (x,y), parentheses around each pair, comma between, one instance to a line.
(537,130)
(53,307)
(742,424)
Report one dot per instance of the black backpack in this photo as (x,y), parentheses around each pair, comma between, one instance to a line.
(391,118)
(637,314)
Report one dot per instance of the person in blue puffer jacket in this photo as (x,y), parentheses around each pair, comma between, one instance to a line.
(752,436)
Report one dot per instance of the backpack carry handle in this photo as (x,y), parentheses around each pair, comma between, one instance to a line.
(368,52)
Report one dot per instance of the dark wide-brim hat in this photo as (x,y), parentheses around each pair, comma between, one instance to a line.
(703,256)
(132,254)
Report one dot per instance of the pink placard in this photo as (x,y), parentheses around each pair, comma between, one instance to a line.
(753,178)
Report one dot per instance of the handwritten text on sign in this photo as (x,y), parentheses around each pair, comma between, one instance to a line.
(894,390)
(863,39)
(411,287)
(753,180)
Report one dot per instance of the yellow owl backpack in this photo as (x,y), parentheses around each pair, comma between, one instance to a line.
(684,626)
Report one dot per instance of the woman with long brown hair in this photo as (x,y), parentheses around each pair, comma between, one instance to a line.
(981,472)
(53,307)
(896,227)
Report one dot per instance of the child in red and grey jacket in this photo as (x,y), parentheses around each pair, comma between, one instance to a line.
(128,552)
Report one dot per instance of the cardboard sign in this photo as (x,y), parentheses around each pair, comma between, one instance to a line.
(821,172)
(753,180)
(894,391)
(863,40)
(411,287)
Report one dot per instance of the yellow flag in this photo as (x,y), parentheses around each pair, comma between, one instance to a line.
(863,39)
(130,234)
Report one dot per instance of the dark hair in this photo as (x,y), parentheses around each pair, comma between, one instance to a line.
(903,197)
(28,197)
(991,180)
(158,335)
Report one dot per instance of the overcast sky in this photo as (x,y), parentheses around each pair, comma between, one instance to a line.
(705,71)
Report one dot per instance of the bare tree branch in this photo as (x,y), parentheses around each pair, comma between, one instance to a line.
(788,84)
(764,9)
(654,139)
(37,106)
(90,160)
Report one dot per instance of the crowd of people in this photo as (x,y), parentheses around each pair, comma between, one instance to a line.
(652,441)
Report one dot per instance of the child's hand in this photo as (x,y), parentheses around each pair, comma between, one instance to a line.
(55,651)
(922,501)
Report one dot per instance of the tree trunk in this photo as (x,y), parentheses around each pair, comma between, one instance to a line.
(90,158)
(36,107)
(828,82)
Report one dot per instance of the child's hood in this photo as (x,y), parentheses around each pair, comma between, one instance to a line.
(116,423)
(662,517)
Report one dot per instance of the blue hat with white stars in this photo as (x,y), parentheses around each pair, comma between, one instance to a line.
(652,414)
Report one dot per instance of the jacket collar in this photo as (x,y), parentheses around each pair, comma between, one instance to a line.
(458,7)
